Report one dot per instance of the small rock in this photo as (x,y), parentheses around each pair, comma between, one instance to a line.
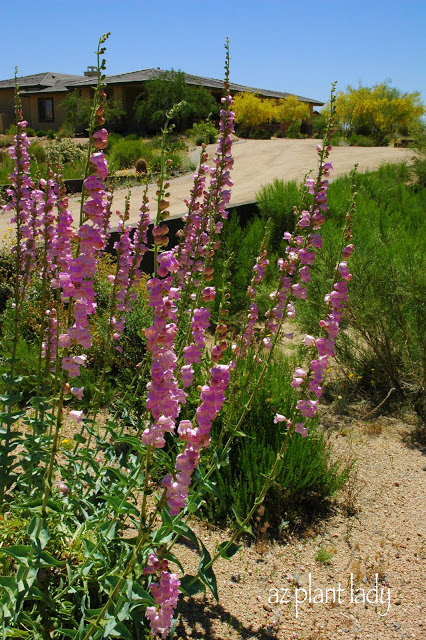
(259,598)
(424,467)
(267,607)
(397,626)
(397,601)
(365,579)
(396,484)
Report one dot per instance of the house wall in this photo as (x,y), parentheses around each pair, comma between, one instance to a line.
(31,107)
(7,108)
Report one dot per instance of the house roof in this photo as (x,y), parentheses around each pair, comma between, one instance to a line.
(41,82)
(49,82)
(146,74)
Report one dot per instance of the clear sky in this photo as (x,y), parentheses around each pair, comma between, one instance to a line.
(297,46)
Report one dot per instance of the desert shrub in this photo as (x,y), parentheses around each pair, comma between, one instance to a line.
(124,152)
(203,133)
(383,345)
(318,126)
(419,168)
(357,140)
(63,151)
(276,201)
(293,131)
(177,161)
(37,152)
(307,474)
(169,89)
(6,141)
(240,246)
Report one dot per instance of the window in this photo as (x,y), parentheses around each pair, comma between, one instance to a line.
(45,110)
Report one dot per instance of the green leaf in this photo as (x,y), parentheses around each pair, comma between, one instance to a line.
(183,530)
(206,485)
(191,585)
(46,560)
(221,457)
(79,438)
(228,553)
(207,574)
(43,537)
(69,633)
(18,552)
(162,535)
(243,527)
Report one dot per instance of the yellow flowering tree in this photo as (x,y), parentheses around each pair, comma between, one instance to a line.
(377,110)
(251,111)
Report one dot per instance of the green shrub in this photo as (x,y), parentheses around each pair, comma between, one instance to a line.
(307,475)
(203,133)
(318,126)
(177,160)
(51,135)
(124,153)
(6,141)
(261,134)
(30,132)
(382,344)
(419,168)
(357,140)
(276,201)
(37,152)
(64,151)
(241,247)
(40,133)
(293,130)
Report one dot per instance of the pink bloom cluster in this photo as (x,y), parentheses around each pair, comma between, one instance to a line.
(164,395)
(192,352)
(76,278)
(194,234)
(130,252)
(165,593)
(212,399)
(324,346)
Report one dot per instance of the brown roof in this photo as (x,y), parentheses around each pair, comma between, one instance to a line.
(146,74)
(47,81)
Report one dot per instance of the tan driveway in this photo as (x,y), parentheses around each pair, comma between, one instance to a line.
(257,162)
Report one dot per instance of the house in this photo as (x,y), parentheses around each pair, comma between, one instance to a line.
(42,94)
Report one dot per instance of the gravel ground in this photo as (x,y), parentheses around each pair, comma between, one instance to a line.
(369,583)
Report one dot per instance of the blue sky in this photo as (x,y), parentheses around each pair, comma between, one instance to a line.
(297,46)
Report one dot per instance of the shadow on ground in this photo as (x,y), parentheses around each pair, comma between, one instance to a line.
(199,618)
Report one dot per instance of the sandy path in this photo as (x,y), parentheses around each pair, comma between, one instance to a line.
(257,162)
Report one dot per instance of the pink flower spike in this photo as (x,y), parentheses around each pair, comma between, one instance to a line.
(299,427)
(77,392)
(309,341)
(279,418)
(76,415)
(100,139)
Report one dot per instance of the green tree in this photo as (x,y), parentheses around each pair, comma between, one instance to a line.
(78,110)
(378,111)
(170,88)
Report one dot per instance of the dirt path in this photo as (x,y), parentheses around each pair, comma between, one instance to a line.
(373,585)
(257,162)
